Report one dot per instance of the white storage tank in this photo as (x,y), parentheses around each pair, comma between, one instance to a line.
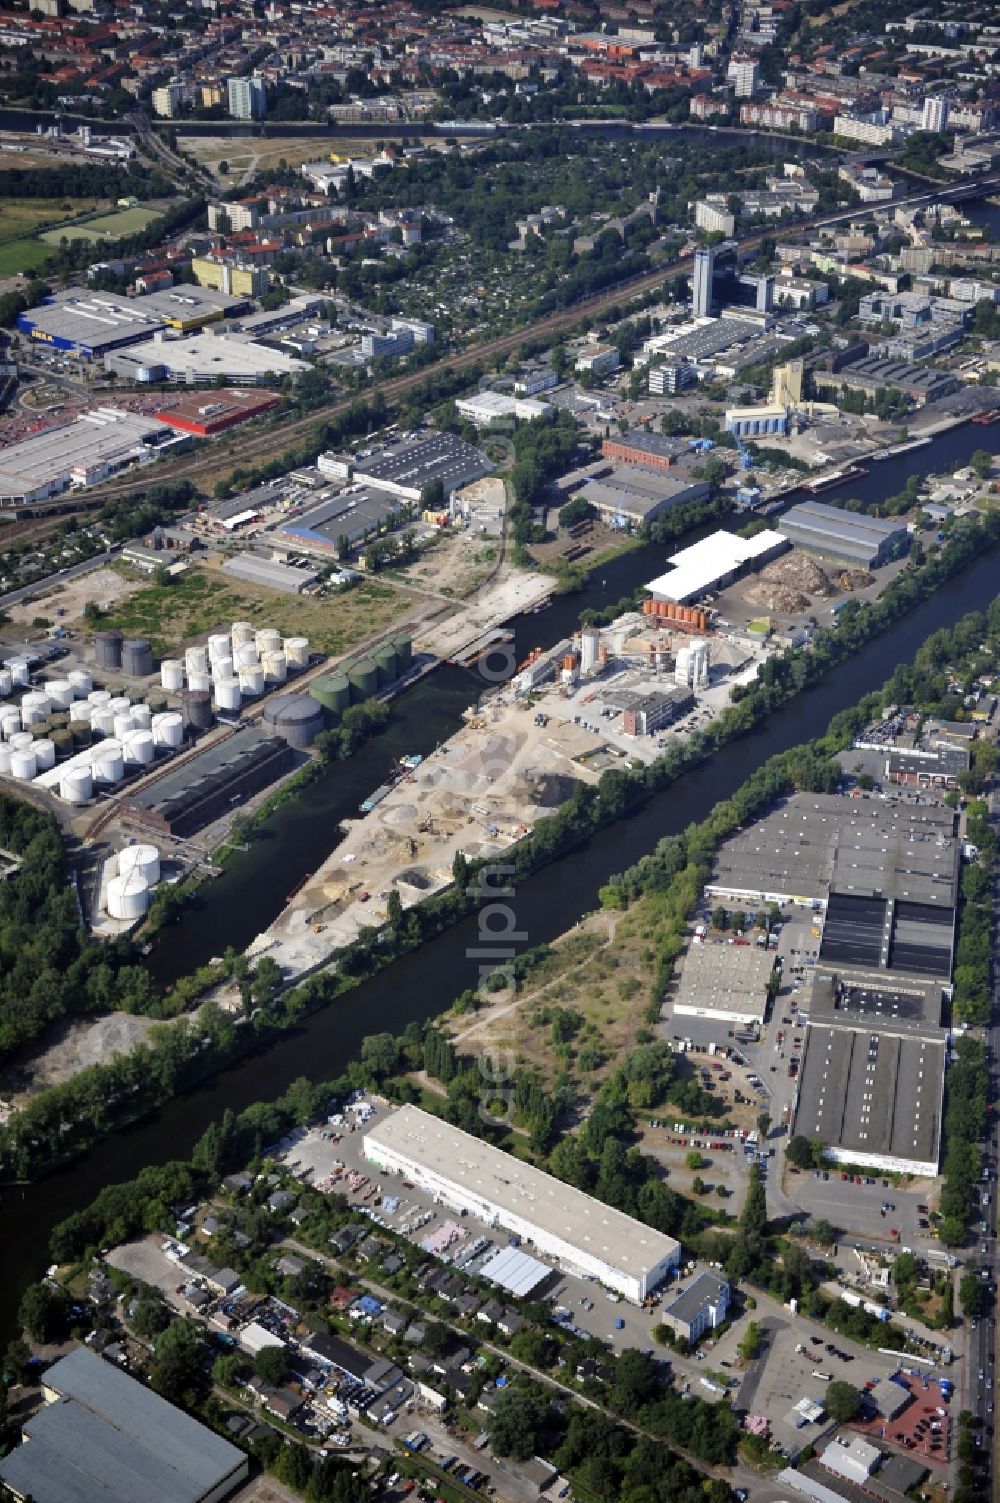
(144,859)
(222,667)
(124,725)
(19,671)
(10,722)
(267,640)
(81,712)
(60,691)
(99,697)
(172,675)
(103,720)
(76,785)
(199,682)
(218,646)
(108,763)
(168,729)
(119,704)
(31,714)
(241,633)
(227,694)
(45,753)
(21,741)
(23,764)
(138,748)
(82,682)
(245,655)
(128,896)
(6,681)
(142,717)
(6,757)
(275,667)
(196,660)
(297,652)
(252,680)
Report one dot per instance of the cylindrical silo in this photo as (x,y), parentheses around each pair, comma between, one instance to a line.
(385,662)
(128,896)
(252,680)
(37,700)
(245,655)
(332,691)
(6,756)
(240,633)
(82,733)
(30,714)
(156,701)
(119,704)
(76,785)
(10,722)
(6,681)
(63,743)
(99,697)
(267,640)
(297,652)
(218,646)
(138,748)
(123,725)
(196,660)
(295,717)
(168,729)
(275,667)
(142,717)
(45,754)
(222,667)
(197,707)
(82,682)
(403,643)
(23,764)
(21,740)
(144,859)
(103,721)
(172,675)
(227,694)
(137,657)
(590,647)
(363,679)
(108,763)
(20,672)
(60,691)
(108,648)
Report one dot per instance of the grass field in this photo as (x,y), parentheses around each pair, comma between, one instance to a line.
(205,599)
(22,218)
(245,155)
(17,256)
(112,226)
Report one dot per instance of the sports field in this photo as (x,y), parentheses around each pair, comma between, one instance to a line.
(21,218)
(112,226)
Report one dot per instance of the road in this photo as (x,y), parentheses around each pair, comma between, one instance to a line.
(265,443)
(982,1342)
(39,586)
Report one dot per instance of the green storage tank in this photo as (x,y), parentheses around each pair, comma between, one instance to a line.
(63,743)
(156,700)
(332,691)
(404,651)
(385,661)
(363,679)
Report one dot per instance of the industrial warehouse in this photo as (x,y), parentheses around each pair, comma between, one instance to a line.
(103,1437)
(848,536)
(559,1221)
(94,324)
(84,452)
(188,798)
(886,877)
(724,982)
(714,562)
(637,496)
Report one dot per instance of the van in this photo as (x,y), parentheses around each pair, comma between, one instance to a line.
(823,1377)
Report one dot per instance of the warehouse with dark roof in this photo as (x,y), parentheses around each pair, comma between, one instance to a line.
(102,1437)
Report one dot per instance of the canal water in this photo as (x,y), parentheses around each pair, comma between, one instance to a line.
(234,908)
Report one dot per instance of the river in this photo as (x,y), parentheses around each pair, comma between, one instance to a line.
(423,984)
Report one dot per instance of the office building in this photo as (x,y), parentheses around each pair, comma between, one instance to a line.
(103,1437)
(936,113)
(672,375)
(701,1307)
(852,1458)
(557,1220)
(387,346)
(854,537)
(701,283)
(598,360)
(247,98)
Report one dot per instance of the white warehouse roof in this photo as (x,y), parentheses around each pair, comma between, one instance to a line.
(712,561)
(475,1174)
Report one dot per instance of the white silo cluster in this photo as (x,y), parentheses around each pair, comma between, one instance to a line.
(691,669)
(136,873)
(236,665)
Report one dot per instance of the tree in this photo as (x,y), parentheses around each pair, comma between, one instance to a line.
(750,1343)
(981,460)
(150,1317)
(763,1124)
(271,1364)
(515,1422)
(841,1400)
(970,1292)
(799,1152)
(380,1054)
(44,1313)
(178,1362)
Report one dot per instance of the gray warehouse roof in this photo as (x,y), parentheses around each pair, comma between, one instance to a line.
(850,534)
(859,999)
(522,1190)
(109,1439)
(706,1290)
(213,760)
(725,978)
(868,1092)
(264,571)
(417,461)
(637,501)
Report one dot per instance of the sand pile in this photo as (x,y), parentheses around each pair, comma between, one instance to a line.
(799,572)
